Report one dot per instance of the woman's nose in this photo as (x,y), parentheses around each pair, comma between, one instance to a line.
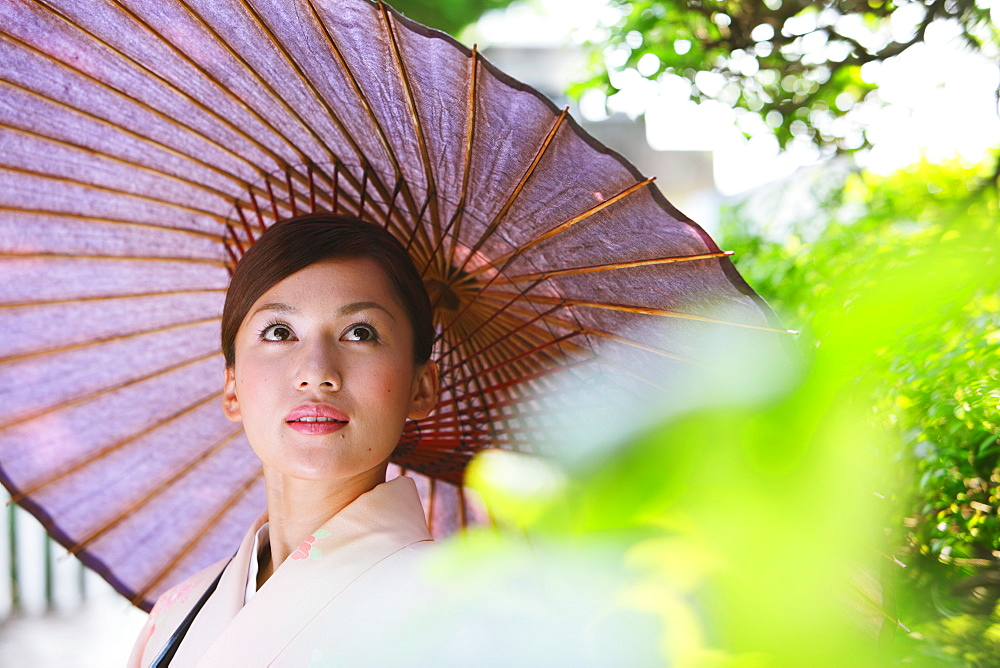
(318,369)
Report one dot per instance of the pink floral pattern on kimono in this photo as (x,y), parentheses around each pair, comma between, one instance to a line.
(177,595)
(306,549)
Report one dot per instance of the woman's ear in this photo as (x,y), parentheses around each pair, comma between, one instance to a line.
(425,391)
(230,402)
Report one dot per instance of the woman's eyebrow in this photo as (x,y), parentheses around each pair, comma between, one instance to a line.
(348,309)
(277,307)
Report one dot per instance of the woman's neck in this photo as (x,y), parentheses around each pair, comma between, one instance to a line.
(296,508)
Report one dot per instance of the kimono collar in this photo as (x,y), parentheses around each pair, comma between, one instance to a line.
(377,524)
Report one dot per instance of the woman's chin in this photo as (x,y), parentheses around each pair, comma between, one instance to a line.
(323,469)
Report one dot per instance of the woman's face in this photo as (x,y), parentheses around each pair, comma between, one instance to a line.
(324,377)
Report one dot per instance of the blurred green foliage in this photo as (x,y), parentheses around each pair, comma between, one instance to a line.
(451,16)
(795,63)
(935,385)
(754,528)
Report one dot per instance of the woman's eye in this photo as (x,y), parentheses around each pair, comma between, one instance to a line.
(360,333)
(276,333)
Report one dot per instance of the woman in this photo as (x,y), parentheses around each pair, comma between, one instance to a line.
(327,335)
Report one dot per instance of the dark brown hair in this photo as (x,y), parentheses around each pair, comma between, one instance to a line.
(295,243)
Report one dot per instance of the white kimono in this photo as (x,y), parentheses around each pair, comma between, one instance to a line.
(322,606)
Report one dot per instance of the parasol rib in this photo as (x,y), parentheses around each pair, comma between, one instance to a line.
(291,190)
(364,192)
(463,519)
(112,221)
(302,155)
(205,528)
(512,360)
(336,183)
(94,342)
(446,417)
(143,258)
(632,374)
(504,260)
(119,129)
(115,191)
(312,188)
(521,415)
(234,240)
(641,346)
(470,133)
(415,253)
(106,390)
(154,491)
(261,223)
(643,310)
(536,375)
(339,57)
(570,325)
(497,360)
(574,271)
(520,328)
(173,121)
(105,451)
(270,196)
(392,206)
(492,357)
(498,218)
(496,313)
(522,324)
(281,163)
(417,126)
(410,200)
(247,227)
(484,409)
(74,300)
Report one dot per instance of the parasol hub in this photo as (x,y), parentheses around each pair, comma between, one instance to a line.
(442,294)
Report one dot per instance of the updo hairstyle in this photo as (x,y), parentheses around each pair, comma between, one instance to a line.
(295,243)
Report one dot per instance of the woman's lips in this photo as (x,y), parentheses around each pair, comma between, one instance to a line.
(317,428)
(315,419)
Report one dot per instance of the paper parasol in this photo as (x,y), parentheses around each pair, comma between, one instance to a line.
(144,145)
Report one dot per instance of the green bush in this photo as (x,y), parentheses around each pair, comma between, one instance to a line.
(937,388)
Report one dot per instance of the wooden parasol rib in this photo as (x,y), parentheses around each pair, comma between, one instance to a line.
(96,456)
(196,538)
(109,339)
(124,131)
(456,219)
(573,271)
(107,390)
(113,221)
(82,543)
(418,129)
(133,295)
(643,310)
(106,189)
(84,256)
(458,272)
(175,122)
(504,260)
(366,105)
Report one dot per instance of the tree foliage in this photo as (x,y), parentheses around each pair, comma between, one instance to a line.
(796,64)
(937,388)
(447,15)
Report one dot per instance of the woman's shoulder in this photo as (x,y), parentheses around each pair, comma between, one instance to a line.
(186,593)
(170,608)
